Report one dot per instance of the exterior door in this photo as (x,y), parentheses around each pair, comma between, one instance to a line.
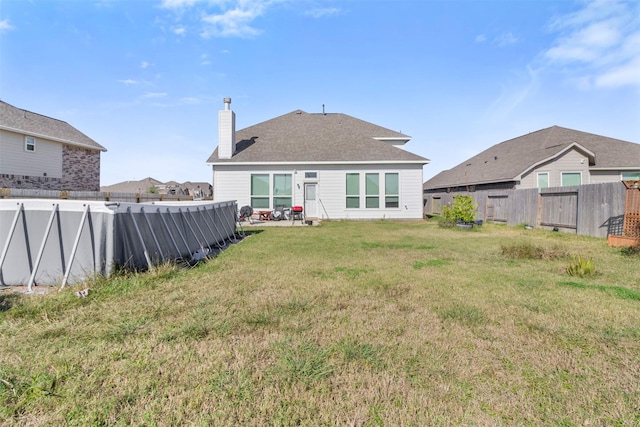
(311,200)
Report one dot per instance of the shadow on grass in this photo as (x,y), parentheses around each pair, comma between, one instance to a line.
(8,300)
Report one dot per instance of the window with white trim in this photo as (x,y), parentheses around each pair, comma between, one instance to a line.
(543,179)
(353,191)
(391,190)
(282,190)
(372,190)
(631,176)
(29,143)
(571,178)
(260,190)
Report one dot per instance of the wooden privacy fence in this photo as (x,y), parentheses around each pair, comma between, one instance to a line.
(594,209)
(107,196)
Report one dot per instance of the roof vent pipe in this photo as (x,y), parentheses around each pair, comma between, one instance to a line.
(227,103)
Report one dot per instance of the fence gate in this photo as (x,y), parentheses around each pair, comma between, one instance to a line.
(558,209)
(497,210)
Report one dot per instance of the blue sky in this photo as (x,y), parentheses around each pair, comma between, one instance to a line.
(146,78)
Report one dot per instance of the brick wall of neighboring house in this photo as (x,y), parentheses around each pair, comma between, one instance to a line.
(80,169)
(80,172)
(30,182)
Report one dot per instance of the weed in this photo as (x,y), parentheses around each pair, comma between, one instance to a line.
(581,267)
(630,250)
(353,350)
(430,263)
(466,314)
(527,250)
(305,362)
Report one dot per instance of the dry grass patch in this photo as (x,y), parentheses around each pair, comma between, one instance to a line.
(349,323)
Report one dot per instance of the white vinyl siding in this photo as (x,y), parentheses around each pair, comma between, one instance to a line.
(571,161)
(16,160)
(232,182)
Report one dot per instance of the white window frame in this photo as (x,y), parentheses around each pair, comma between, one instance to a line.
(548,180)
(29,141)
(622,178)
(569,172)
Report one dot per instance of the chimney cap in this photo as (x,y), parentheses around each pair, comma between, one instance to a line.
(227,100)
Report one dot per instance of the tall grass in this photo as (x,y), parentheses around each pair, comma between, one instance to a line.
(349,323)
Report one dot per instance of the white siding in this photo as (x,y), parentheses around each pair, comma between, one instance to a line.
(14,160)
(598,177)
(234,183)
(572,161)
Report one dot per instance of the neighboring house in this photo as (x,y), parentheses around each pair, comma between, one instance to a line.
(199,190)
(40,152)
(334,165)
(551,157)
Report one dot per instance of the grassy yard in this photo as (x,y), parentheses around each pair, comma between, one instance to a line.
(350,323)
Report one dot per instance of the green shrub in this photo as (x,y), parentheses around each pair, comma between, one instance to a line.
(461,209)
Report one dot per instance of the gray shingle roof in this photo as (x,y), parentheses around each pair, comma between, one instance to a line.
(34,124)
(303,137)
(507,160)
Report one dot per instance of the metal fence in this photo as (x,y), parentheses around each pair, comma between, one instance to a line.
(106,196)
(593,209)
(51,242)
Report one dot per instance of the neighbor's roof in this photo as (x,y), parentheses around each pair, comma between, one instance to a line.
(303,137)
(132,186)
(508,160)
(142,185)
(33,124)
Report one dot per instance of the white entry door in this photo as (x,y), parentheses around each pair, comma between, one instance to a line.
(310,200)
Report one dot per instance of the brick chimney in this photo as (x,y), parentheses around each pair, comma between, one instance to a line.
(226,131)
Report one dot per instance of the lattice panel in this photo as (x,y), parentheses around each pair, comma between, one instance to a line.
(631,226)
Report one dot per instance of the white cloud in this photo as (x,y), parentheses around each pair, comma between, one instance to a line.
(128,82)
(481,38)
(514,93)
(220,18)
(149,95)
(506,39)
(598,45)
(5,26)
(174,4)
(323,12)
(145,64)
(234,22)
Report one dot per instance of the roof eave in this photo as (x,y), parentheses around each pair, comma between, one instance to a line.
(589,153)
(341,162)
(53,138)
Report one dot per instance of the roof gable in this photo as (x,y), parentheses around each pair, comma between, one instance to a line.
(508,160)
(303,137)
(22,121)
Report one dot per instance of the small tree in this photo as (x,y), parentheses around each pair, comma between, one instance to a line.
(462,209)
